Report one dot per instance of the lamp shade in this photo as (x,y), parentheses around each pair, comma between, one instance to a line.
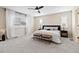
(40,21)
(64,21)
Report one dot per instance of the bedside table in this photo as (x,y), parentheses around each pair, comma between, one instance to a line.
(64,33)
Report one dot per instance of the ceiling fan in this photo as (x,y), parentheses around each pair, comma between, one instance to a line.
(37,8)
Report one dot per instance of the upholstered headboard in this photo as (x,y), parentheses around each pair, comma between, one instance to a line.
(58,26)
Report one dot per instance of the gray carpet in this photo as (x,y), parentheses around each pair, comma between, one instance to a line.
(28,45)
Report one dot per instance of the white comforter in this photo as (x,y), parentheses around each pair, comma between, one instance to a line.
(55,34)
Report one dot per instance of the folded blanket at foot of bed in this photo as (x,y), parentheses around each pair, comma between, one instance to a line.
(42,36)
(37,34)
(46,36)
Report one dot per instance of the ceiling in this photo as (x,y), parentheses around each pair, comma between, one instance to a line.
(44,11)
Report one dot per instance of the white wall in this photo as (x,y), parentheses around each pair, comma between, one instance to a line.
(56,19)
(75,25)
(29,25)
(2,18)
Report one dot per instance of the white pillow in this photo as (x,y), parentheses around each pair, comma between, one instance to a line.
(46,28)
(54,28)
(50,28)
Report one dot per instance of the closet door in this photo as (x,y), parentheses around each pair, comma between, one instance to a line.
(10,17)
(19,31)
(16,24)
(20,24)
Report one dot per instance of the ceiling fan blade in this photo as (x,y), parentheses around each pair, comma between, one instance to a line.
(41,7)
(38,11)
(36,8)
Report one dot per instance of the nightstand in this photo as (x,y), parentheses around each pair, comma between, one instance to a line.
(64,33)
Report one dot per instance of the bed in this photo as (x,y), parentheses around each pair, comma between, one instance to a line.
(48,33)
